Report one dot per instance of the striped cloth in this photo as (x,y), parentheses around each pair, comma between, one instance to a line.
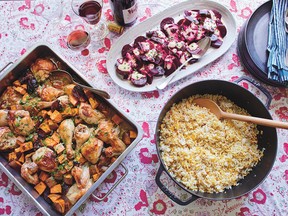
(277,43)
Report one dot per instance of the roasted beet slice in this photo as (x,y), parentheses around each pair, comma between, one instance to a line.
(217,43)
(149,78)
(123,68)
(222,29)
(126,49)
(195,13)
(131,59)
(170,64)
(138,79)
(217,14)
(139,39)
(213,37)
(158,40)
(169,71)
(184,22)
(158,34)
(152,69)
(187,13)
(149,34)
(204,13)
(193,20)
(193,48)
(177,62)
(168,20)
(158,60)
(145,46)
(158,71)
(144,70)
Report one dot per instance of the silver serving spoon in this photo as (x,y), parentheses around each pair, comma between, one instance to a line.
(64,74)
(215,109)
(203,44)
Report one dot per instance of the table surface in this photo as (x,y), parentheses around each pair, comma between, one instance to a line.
(138,193)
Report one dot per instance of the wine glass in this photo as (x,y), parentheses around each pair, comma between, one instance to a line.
(90,11)
(76,36)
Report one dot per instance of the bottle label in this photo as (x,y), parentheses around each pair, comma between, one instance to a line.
(130,14)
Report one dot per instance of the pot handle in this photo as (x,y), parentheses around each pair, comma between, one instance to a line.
(258,85)
(113,187)
(10,63)
(169,193)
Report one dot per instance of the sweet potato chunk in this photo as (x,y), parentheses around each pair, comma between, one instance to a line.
(56,189)
(59,148)
(68,179)
(133,134)
(50,182)
(59,205)
(56,116)
(43,176)
(116,119)
(40,187)
(15,165)
(54,197)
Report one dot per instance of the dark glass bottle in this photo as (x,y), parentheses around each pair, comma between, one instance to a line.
(124,11)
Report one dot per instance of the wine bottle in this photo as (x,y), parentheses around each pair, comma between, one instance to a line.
(124,11)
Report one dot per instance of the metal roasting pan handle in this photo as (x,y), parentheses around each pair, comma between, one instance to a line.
(113,187)
(10,63)
(258,85)
(169,193)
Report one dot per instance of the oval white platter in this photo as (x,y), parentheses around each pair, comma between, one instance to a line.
(176,11)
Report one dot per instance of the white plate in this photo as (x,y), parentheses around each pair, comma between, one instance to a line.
(153,23)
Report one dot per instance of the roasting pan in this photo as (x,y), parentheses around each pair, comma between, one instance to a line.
(12,72)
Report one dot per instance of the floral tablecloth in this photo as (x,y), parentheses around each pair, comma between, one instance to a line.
(21,27)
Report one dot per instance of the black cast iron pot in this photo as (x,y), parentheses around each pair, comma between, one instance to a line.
(267,139)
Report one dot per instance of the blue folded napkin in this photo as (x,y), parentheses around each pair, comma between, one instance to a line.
(277,43)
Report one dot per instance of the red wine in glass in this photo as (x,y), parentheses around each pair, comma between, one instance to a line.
(78,39)
(90,11)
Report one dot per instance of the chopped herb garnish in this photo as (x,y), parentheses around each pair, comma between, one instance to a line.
(10,134)
(29,138)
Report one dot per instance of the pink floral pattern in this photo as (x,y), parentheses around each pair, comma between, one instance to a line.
(138,193)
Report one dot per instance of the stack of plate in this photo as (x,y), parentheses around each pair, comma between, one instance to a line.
(252,44)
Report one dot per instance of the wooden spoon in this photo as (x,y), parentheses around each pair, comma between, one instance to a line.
(214,108)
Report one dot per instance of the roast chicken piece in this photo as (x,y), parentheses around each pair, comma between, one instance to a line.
(83,183)
(74,193)
(81,175)
(62,100)
(81,134)
(29,172)
(90,115)
(10,97)
(41,69)
(49,93)
(109,134)
(20,122)
(92,149)
(45,159)
(7,139)
(3,118)
(35,104)
(66,131)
